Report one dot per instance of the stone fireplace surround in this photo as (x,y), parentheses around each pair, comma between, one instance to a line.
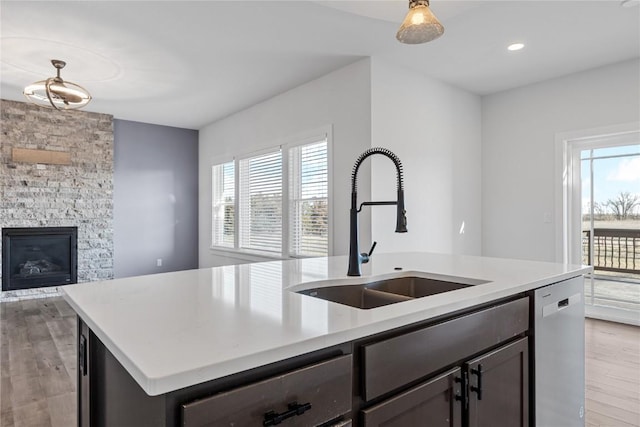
(79,194)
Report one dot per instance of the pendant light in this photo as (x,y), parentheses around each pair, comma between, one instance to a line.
(420,25)
(57,93)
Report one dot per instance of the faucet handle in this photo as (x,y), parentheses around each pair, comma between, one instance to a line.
(364,257)
(372,248)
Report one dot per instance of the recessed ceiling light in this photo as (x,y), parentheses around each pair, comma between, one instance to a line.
(515,46)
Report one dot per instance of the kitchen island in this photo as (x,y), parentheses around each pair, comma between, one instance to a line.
(199,347)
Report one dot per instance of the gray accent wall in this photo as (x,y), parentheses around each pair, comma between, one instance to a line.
(155,198)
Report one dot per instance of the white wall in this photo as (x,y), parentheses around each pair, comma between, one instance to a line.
(341,99)
(518,151)
(486,162)
(434,129)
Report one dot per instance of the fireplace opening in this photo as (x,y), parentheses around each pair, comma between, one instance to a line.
(38,257)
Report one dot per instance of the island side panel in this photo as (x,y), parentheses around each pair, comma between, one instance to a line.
(84,369)
(108,396)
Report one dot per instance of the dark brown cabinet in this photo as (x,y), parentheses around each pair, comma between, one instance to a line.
(469,369)
(436,403)
(392,363)
(499,387)
(487,390)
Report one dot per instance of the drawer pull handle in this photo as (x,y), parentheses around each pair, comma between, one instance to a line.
(478,373)
(272,418)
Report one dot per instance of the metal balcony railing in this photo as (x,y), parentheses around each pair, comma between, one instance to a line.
(613,249)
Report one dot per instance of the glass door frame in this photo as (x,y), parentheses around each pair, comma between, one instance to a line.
(569,200)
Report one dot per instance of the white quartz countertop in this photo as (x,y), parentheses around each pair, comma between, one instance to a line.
(174,330)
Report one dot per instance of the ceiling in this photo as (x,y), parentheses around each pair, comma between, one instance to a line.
(189,63)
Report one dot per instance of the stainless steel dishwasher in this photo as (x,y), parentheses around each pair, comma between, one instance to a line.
(559,354)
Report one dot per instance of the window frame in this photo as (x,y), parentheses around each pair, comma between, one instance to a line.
(304,138)
(220,163)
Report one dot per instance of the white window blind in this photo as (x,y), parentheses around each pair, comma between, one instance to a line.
(308,200)
(260,202)
(274,202)
(223,205)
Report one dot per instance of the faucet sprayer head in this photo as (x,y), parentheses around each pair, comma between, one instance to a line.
(401,217)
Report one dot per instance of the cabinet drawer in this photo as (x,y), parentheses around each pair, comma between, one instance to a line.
(398,361)
(325,387)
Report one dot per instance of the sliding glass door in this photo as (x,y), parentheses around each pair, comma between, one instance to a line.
(608,169)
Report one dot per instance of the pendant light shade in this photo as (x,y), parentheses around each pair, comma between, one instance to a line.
(420,25)
(56,93)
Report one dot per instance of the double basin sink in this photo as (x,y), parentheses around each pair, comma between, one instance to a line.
(389,291)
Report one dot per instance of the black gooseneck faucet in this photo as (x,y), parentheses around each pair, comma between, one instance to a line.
(355,257)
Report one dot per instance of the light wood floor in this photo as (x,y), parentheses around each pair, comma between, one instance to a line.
(38,359)
(38,375)
(612,374)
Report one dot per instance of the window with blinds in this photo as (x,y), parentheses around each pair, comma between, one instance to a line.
(223,205)
(274,202)
(308,200)
(260,202)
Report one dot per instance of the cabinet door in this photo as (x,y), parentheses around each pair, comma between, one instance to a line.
(499,387)
(434,404)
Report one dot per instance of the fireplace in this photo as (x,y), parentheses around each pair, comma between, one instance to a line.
(38,257)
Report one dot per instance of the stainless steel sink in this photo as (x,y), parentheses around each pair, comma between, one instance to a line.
(359,296)
(384,292)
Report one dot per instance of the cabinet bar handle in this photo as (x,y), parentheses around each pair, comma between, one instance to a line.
(272,418)
(478,373)
(82,355)
(463,394)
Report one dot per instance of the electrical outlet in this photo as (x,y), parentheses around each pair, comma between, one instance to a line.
(159,262)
